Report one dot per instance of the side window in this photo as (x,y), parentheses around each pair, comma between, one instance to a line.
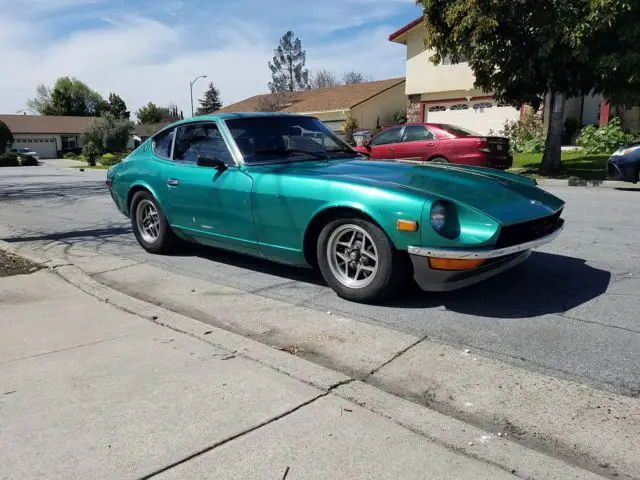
(417,133)
(388,136)
(162,144)
(201,140)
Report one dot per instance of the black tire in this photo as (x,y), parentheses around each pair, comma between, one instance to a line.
(439,160)
(392,266)
(166,239)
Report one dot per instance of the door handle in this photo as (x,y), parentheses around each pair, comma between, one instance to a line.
(172,182)
(431,144)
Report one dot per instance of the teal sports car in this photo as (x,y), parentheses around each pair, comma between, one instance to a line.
(286,188)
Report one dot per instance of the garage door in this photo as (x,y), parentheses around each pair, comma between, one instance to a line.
(485,117)
(45,147)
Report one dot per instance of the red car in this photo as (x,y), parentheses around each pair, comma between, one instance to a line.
(431,142)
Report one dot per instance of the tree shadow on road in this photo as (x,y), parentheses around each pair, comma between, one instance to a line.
(545,284)
(44,190)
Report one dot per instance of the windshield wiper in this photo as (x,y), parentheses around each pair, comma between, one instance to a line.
(294,151)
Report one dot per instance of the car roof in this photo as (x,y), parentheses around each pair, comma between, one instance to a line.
(232,116)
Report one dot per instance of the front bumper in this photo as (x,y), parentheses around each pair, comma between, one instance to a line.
(497,261)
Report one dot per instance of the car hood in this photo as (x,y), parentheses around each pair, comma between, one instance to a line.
(505,197)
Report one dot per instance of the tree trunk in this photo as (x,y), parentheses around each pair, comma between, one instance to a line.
(551,162)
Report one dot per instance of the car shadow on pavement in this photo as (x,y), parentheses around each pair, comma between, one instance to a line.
(544,284)
(259,265)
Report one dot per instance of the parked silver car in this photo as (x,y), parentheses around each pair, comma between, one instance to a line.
(25,152)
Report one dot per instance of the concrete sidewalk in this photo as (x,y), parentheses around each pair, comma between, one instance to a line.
(90,391)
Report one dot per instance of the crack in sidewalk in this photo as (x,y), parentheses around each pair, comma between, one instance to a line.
(243,432)
(395,357)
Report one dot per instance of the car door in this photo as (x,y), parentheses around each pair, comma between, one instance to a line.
(418,143)
(382,145)
(213,205)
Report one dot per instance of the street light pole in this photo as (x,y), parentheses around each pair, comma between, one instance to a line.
(191,83)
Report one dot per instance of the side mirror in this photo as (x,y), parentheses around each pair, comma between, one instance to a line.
(211,162)
(367,145)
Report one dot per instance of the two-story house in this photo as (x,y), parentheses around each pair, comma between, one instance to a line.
(445,93)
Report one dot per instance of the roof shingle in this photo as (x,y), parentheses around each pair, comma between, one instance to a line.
(46,124)
(343,97)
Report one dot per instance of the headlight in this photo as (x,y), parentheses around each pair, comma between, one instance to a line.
(444,219)
(625,151)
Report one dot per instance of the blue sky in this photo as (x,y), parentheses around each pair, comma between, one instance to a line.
(148,50)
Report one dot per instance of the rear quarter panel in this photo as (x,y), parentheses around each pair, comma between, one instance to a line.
(141,170)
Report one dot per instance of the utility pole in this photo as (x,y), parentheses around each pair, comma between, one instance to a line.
(191,83)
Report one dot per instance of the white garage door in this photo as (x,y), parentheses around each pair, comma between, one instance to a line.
(45,147)
(484,117)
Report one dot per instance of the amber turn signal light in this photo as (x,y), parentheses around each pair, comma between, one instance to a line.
(454,263)
(407,226)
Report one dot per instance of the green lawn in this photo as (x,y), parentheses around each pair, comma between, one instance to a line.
(575,164)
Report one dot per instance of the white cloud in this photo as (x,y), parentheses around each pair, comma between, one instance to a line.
(144,58)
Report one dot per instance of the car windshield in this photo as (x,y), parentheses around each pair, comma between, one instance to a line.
(24,150)
(272,139)
(459,131)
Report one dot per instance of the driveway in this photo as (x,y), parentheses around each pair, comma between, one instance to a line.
(570,311)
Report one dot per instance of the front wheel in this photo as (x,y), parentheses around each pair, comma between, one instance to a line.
(358,260)
(439,160)
(149,224)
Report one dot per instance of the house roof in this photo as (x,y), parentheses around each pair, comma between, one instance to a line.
(45,124)
(398,35)
(327,99)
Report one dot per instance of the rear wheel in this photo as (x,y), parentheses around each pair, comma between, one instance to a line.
(150,225)
(358,260)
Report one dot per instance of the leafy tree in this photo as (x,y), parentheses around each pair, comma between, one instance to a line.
(324,78)
(69,96)
(108,133)
(288,72)
(117,107)
(211,101)
(6,137)
(523,50)
(149,114)
(41,103)
(353,77)
(169,114)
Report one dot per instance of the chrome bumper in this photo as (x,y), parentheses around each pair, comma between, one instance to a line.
(486,253)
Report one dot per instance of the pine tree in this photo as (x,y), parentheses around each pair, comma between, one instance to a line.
(288,72)
(211,101)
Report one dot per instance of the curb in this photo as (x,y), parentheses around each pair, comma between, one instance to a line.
(576,182)
(452,433)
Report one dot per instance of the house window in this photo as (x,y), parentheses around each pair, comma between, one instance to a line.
(459,106)
(69,142)
(437,108)
(482,106)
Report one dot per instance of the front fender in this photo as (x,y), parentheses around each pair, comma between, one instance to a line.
(385,213)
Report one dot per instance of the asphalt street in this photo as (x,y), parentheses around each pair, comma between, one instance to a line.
(571,310)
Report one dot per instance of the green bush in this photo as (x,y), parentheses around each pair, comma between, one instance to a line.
(71,156)
(28,161)
(110,159)
(606,139)
(348,128)
(400,117)
(109,134)
(9,160)
(91,153)
(526,135)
